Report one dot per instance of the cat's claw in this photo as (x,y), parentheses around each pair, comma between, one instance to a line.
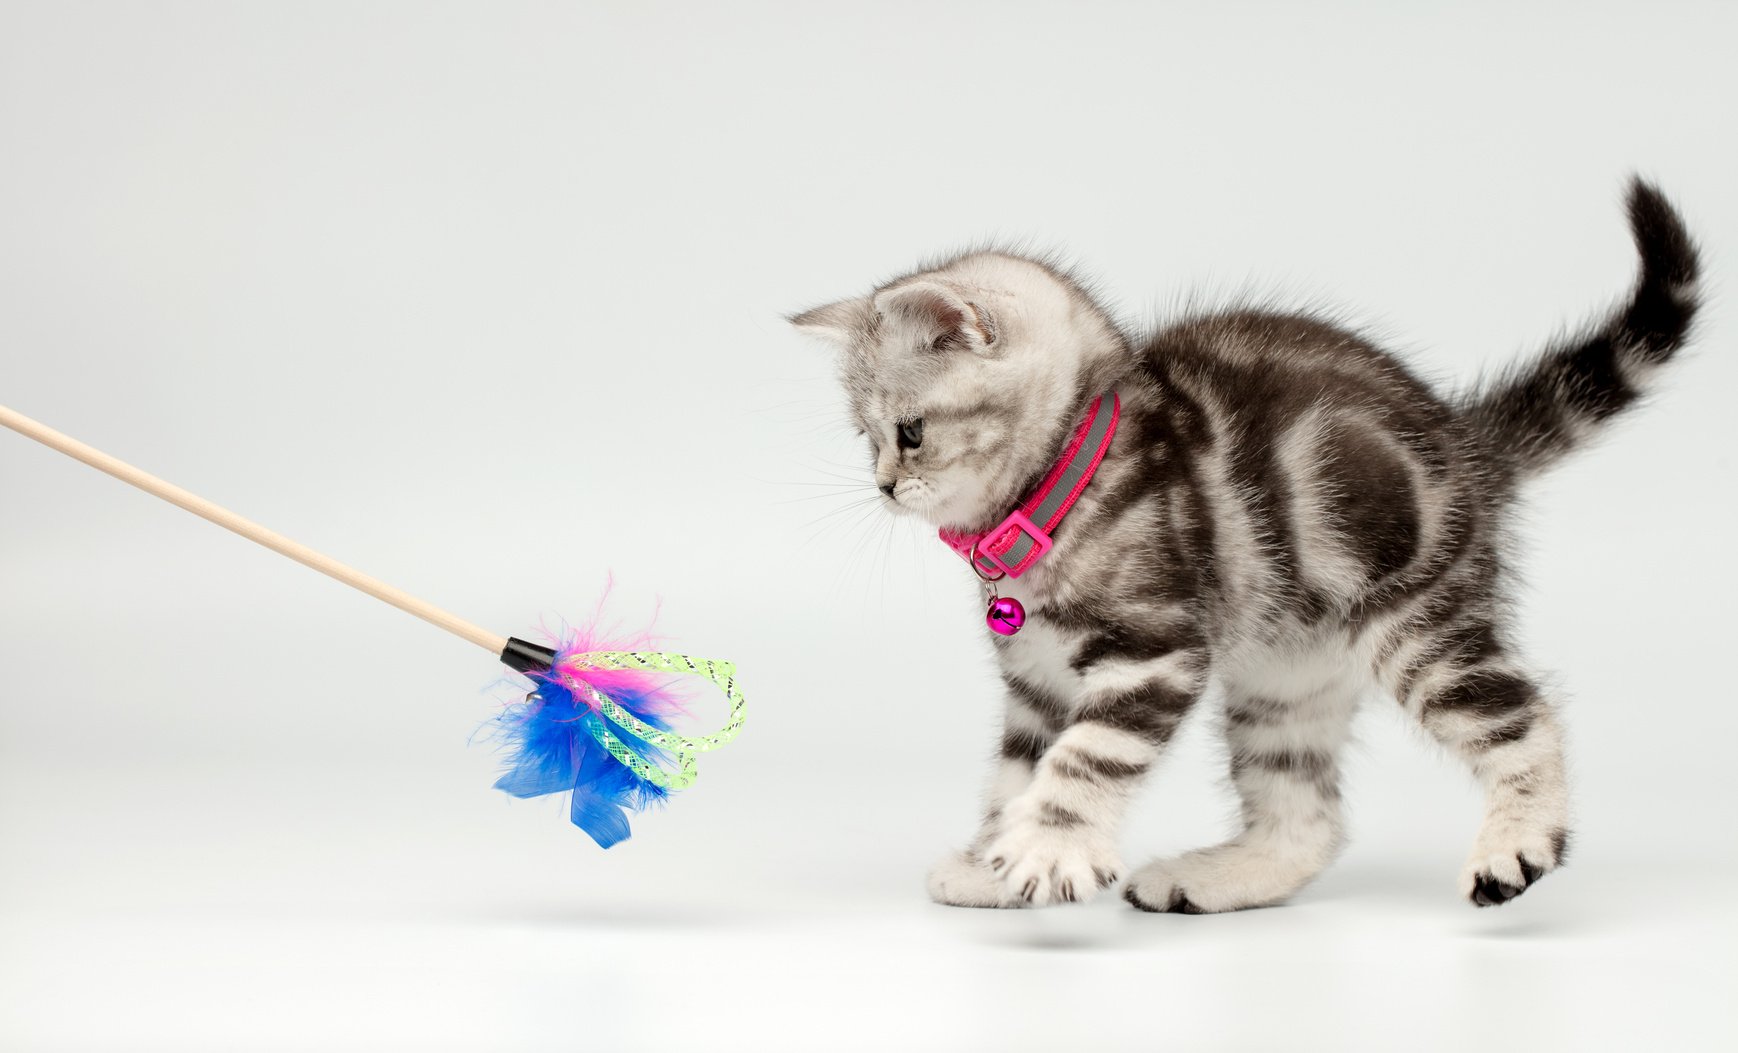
(1039,865)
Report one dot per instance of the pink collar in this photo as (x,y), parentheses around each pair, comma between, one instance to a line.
(1011,547)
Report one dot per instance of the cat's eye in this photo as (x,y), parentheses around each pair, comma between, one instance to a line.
(911,434)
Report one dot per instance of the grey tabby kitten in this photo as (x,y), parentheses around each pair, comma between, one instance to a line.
(1286,509)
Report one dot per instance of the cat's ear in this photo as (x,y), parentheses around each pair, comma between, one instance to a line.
(943,319)
(838,323)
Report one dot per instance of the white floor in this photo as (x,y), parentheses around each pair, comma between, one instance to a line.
(155,910)
(203,847)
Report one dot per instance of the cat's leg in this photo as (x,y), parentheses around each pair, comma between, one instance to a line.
(1057,839)
(1474,699)
(1285,765)
(1032,722)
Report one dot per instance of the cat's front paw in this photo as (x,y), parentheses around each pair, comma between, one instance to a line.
(1040,863)
(963,879)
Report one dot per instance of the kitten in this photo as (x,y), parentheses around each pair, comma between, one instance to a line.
(1284,508)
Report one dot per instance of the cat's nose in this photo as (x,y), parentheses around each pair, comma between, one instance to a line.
(887,488)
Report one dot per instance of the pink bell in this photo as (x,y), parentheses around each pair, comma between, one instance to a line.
(1005,615)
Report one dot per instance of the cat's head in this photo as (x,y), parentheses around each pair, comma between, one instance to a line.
(965,378)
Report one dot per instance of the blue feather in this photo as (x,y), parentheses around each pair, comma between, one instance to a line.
(552,749)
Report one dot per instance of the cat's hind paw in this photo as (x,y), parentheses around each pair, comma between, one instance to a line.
(1497,873)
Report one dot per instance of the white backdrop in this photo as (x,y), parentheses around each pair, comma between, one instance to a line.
(486,299)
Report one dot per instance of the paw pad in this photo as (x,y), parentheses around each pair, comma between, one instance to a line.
(1489,890)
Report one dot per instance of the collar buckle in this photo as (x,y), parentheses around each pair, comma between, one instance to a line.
(984,549)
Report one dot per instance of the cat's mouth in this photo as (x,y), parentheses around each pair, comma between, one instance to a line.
(906,496)
(921,499)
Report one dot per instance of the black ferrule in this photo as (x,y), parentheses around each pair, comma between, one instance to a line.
(524,657)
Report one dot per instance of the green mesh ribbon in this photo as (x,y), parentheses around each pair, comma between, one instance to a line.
(681,747)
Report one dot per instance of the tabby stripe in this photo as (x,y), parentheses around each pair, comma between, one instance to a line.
(1512,731)
(1094,770)
(1484,693)
(1309,765)
(1019,744)
(1256,712)
(1152,713)
(1047,707)
(1055,815)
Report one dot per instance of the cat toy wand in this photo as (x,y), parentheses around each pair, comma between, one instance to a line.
(598,721)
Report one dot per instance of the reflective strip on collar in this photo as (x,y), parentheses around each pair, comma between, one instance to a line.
(1012,546)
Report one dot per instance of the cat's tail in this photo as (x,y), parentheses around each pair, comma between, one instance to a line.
(1538,411)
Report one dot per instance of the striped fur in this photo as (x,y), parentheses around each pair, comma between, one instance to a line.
(1540,412)
(1286,510)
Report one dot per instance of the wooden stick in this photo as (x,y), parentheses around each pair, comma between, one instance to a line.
(271,539)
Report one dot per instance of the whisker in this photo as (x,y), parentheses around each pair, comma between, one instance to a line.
(794,482)
(858,476)
(853,506)
(831,522)
(819,497)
